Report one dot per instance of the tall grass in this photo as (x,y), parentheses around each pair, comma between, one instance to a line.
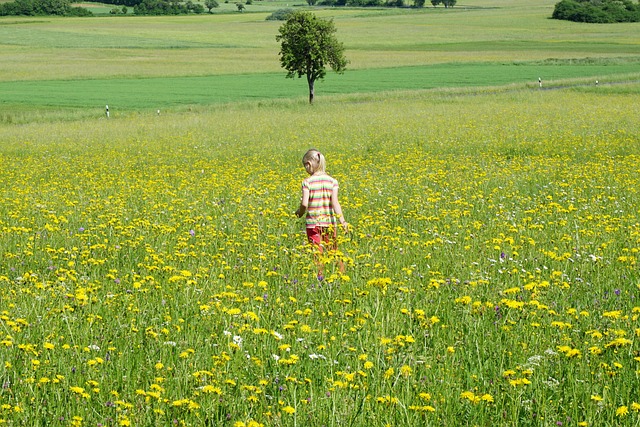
(153,272)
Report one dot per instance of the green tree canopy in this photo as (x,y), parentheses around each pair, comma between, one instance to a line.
(308,45)
(210,4)
(597,11)
(42,7)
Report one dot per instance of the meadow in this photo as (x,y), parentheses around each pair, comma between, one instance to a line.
(153,272)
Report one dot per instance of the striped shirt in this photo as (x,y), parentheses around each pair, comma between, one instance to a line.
(320,212)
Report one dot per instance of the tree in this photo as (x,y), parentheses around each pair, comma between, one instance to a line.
(446,3)
(210,4)
(308,44)
(597,11)
(42,7)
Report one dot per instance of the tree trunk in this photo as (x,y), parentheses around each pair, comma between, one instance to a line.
(311,89)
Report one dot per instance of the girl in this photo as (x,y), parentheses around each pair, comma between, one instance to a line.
(320,203)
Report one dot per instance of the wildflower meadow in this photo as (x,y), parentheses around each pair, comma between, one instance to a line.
(153,272)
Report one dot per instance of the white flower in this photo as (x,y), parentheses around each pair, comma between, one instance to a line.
(237,340)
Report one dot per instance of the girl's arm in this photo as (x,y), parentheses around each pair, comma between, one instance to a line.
(304,203)
(335,204)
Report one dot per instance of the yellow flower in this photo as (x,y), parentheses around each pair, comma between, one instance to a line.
(406,371)
(212,389)
(425,396)
(388,373)
(289,410)
(612,314)
(487,398)
(622,411)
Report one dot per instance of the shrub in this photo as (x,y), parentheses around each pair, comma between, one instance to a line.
(42,7)
(597,11)
(280,15)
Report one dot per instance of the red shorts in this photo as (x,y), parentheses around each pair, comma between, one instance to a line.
(320,235)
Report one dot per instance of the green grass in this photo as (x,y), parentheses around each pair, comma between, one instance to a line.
(164,93)
(173,60)
(152,273)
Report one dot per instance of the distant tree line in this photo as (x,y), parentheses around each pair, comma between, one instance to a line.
(378,3)
(128,3)
(41,8)
(597,11)
(140,7)
(167,7)
(176,7)
(159,7)
(445,3)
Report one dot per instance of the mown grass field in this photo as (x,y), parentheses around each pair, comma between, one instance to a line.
(149,63)
(152,271)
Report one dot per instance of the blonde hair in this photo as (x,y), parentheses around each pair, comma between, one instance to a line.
(317,160)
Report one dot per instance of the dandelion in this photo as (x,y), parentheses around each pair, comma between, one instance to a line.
(622,411)
(619,342)
(487,398)
(406,371)
(612,314)
(389,373)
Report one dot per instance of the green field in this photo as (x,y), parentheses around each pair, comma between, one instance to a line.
(171,92)
(152,271)
(148,63)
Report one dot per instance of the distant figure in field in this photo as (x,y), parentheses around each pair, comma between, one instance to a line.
(320,204)
(540,81)
(106,111)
